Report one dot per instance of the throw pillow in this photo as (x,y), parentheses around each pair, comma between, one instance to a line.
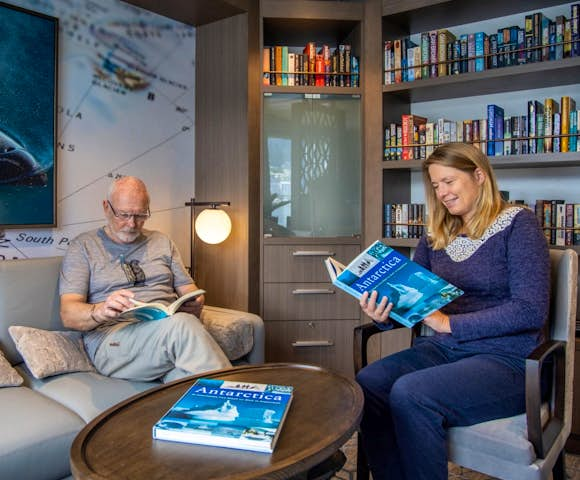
(8,376)
(49,353)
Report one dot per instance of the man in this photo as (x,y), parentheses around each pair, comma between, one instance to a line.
(105,268)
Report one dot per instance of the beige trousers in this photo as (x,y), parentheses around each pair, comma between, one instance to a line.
(167,349)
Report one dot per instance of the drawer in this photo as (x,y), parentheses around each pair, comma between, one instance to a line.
(303,263)
(325,343)
(308,301)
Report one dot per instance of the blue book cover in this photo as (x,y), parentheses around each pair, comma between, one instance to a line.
(223,413)
(415,291)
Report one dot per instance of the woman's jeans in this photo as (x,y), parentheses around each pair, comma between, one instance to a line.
(414,396)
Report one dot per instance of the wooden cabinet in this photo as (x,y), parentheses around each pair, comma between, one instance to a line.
(311,161)
(308,320)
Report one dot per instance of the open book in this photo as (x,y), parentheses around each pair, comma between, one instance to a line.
(414,291)
(155,311)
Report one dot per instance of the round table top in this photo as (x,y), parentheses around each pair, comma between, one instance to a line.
(324,413)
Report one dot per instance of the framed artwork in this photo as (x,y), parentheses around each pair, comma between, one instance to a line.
(28,86)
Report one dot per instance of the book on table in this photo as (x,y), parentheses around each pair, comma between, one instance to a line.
(144,311)
(414,291)
(223,413)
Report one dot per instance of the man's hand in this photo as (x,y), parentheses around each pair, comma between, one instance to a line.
(193,307)
(379,312)
(438,321)
(113,306)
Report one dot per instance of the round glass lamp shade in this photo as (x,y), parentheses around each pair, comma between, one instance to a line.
(213,225)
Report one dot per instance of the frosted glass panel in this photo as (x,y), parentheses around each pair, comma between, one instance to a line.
(312,165)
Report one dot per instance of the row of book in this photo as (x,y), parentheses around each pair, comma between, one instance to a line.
(560,221)
(548,127)
(323,67)
(404,220)
(440,52)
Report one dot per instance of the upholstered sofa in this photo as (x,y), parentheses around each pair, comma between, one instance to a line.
(40,417)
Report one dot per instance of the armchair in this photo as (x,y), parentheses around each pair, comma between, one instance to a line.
(531,445)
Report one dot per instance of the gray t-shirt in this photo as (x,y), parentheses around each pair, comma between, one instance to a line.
(94,266)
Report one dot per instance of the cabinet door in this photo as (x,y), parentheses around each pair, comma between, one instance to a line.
(312,165)
(325,343)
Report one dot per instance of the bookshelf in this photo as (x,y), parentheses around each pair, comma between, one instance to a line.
(399,181)
(311,140)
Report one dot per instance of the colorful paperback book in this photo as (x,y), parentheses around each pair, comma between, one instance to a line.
(156,311)
(414,291)
(224,413)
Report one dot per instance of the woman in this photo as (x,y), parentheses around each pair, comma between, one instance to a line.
(472,369)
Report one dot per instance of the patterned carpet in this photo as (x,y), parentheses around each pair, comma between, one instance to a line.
(348,472)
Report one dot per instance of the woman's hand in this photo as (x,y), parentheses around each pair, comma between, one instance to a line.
(379,312)
(438,321)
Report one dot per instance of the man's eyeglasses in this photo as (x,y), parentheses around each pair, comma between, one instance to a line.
(133,272)
(125,217)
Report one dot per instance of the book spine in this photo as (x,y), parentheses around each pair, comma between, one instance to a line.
(531,127)
(575,30)
(557,131)
(425,55)
(479,51)
(548,123)
(576,235)
(388,66)
(433,53)
(539,126)
(569,225)
(407,129)
(471,52)
(567,105)
(266,66)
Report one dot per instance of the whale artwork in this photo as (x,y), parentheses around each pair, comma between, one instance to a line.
(17,165)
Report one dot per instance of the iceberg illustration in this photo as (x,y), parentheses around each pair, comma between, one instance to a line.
(227,412)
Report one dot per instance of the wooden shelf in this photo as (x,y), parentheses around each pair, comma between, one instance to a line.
(539,160)
(312,90)
(499,80)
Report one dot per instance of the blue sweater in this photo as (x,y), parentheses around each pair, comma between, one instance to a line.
(505,275)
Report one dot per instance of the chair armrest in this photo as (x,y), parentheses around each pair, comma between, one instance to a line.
(543,438)
(362,334)
(239,334)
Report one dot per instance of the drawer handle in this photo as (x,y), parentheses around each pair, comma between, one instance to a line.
(312,291)
(313,343)
(312,253)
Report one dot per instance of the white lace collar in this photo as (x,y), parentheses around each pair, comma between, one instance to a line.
(461,248)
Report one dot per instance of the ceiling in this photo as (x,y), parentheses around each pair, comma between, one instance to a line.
(192,12)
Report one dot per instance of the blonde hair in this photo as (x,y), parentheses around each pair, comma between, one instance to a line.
(443,227)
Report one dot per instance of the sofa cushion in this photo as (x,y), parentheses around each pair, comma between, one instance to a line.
(230,329)
(86,393)
(51,353)
(29,297)
(38,435)
(8,376)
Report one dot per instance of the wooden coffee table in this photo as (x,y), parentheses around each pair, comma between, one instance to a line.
(118,444)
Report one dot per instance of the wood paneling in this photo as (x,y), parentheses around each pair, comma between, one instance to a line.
(226,154)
